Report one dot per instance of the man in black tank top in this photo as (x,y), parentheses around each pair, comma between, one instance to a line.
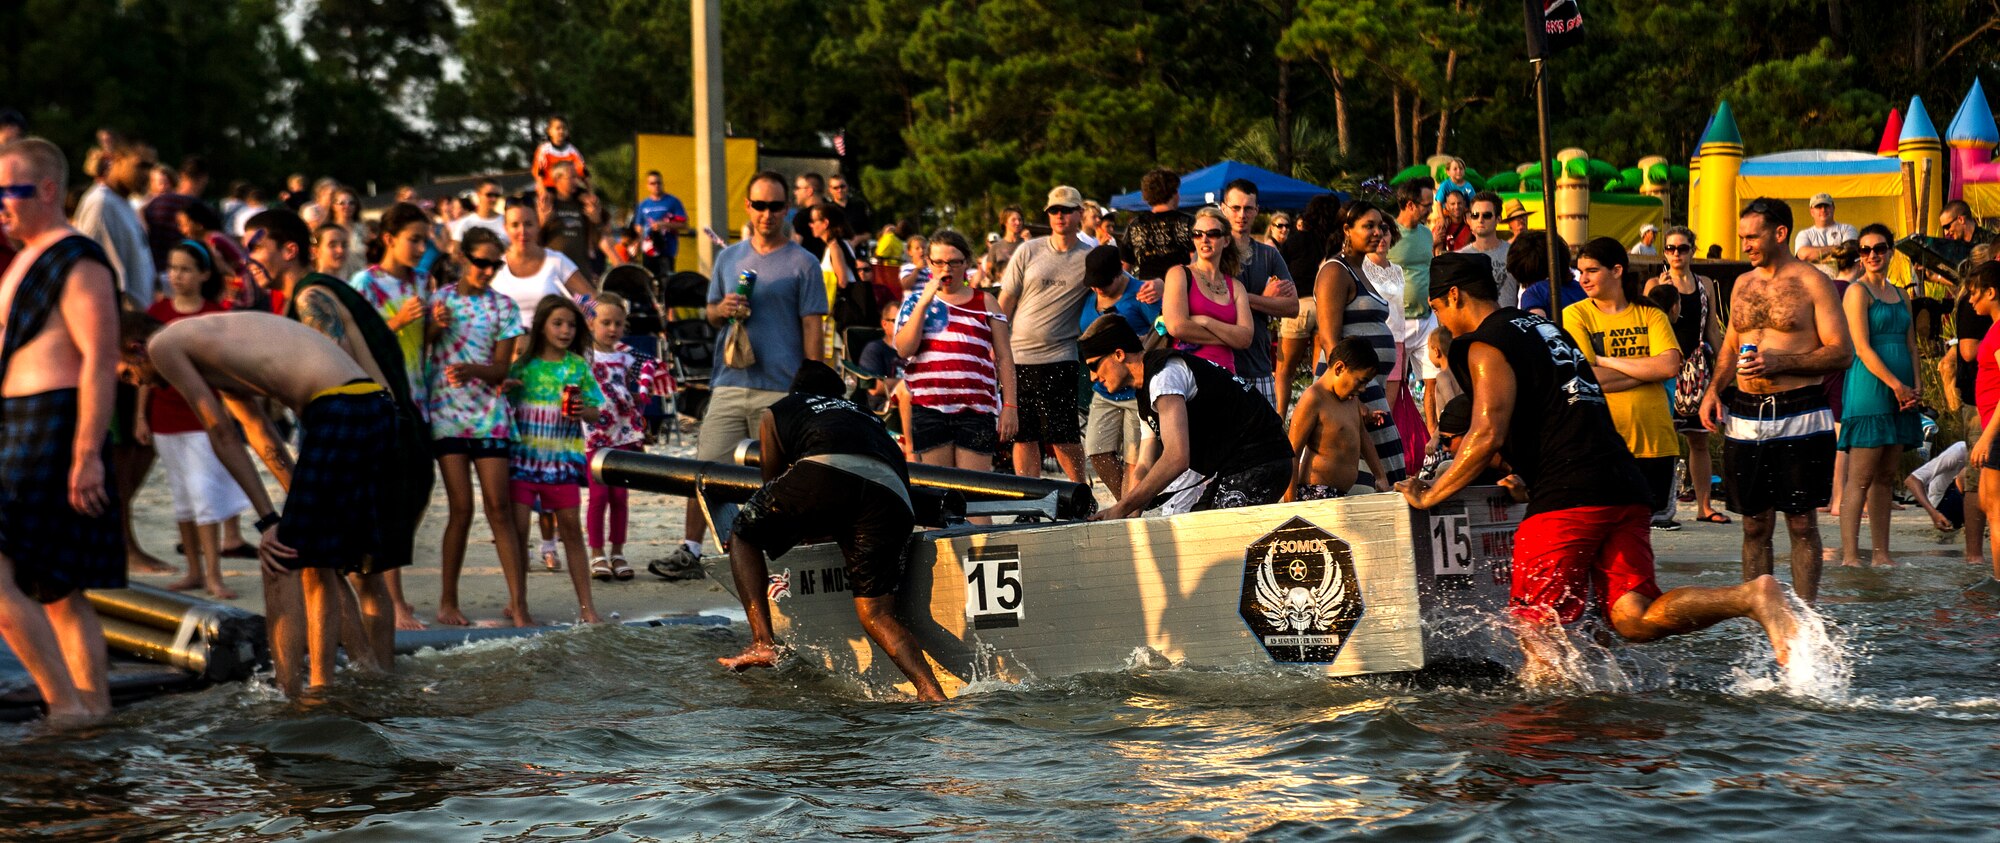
(1204,419)
(1536,403)
(830,471)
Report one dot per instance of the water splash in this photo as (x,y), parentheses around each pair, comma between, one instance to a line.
(1821,667)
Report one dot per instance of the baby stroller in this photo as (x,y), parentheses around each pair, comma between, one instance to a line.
(690,340)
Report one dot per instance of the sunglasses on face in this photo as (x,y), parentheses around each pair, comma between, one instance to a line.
(1678,248)
(17,191)
(761,205)
(1481,215)
(1281,226)
(1063,209)
(486,264)
(1877,250)
(1211,233)
(490,195)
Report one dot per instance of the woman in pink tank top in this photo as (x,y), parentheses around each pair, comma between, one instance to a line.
(1204,305)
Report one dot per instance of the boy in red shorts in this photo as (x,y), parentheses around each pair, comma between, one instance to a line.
(1535,402)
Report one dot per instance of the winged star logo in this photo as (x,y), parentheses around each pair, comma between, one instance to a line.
(1301,596)
(1298,609)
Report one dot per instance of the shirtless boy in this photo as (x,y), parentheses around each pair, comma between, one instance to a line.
(59,522)
(1785,320)
(333,521)
(1327,429)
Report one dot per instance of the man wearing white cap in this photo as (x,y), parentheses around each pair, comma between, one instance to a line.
(1647,233)
(1816,243)
(1042,292)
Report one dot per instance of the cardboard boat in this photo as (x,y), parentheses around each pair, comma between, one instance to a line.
(1345,587)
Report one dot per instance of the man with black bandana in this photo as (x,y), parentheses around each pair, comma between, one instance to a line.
(1203,418)
(830,472)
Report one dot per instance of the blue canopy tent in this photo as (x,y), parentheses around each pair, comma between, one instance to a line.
(1204,187)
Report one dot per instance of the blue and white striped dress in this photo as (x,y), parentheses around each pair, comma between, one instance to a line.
(1367,317)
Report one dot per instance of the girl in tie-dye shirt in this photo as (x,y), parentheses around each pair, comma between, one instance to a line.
(548,432)
(397,290)
(474,332)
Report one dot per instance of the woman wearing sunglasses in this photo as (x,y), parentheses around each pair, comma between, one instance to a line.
(1879,417)
(1204,305)
(1698,331)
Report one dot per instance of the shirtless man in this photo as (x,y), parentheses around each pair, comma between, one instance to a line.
(278,245)
(1785,320)
(59,524)
(333,521)
(1327,428)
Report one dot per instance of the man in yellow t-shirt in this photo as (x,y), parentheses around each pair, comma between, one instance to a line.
(1630,347)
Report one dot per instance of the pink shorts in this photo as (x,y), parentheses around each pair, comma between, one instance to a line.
(551,496)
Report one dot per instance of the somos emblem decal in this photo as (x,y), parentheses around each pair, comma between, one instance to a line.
(1301,597)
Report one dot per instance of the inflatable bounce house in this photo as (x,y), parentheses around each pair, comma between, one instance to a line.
(1975,175)
(1900,184)
(1594,198)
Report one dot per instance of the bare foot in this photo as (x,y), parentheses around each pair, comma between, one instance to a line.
(146,563)
(588,615)
(406,619)
(1882,560)
(221,592)
(1847,561)
(520,616)
(1770,608)
(1976,560)
(550,562)
(73,718)
(756,655)
(451,616)
(187,583)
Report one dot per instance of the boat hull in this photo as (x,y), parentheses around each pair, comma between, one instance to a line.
(1340,587)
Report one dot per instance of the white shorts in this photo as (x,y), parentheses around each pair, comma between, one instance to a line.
(204,493)
(1303,325)
(1113,428)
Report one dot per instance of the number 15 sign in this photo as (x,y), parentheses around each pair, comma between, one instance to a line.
(993,587)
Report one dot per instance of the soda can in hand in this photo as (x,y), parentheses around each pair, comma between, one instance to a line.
(570,395)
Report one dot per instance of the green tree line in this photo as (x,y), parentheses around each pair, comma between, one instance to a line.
(957,107)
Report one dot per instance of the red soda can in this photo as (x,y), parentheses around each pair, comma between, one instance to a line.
(570,394)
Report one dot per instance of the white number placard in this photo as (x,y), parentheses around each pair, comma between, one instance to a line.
(1451,545)
(993,596)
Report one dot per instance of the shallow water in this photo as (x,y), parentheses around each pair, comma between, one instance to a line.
(634,734)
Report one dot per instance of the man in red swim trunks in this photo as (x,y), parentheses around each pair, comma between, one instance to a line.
(1536,403)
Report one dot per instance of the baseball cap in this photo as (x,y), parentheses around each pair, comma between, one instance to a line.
(993,237)
(1513,209)
(1064,196)
(1108,334)
(1648,228)
(1101,267)
(1819,199)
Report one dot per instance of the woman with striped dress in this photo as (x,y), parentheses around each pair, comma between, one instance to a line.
(959,373)
(1349,306)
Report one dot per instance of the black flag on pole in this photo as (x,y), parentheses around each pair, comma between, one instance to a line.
(1553,26)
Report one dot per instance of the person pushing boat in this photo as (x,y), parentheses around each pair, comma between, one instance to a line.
(337,517)
(1203,418)
(830,470)
(1536,402)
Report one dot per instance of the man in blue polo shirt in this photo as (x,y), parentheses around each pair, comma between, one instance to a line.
(661,220)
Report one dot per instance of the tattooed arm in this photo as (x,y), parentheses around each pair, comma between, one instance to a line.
(320,311)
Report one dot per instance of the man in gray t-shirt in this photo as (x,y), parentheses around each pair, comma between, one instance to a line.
(783,315)
(1814,244)
(1042,292)
(1266,280)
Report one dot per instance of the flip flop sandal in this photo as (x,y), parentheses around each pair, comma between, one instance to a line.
(600,569)
(1714,518)
(620,568)
(241,551)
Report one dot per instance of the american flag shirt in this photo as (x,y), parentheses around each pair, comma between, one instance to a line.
(627,379)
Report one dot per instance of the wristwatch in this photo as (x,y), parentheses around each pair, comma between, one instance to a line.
(266,522)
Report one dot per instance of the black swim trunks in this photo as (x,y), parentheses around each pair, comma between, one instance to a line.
(1778,451)
(336,513)
(55,550)
(1253,486)
(814,501)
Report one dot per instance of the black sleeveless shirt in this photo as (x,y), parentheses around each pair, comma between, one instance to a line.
(813,425)
(1561,438)
(1230,426)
